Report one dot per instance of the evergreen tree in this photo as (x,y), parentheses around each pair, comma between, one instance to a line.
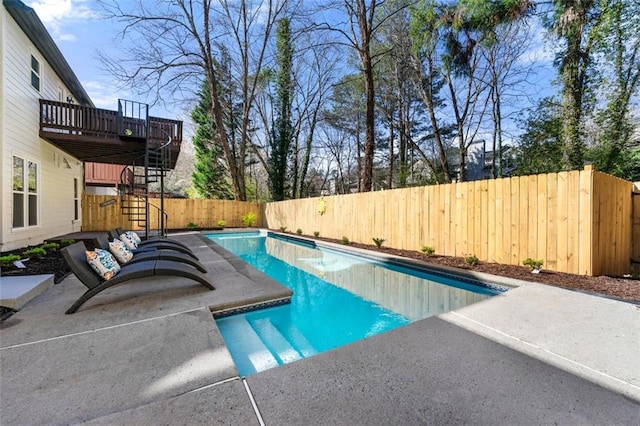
(575,24)
(282,132)
(210,178)
(541,148)
(616,151)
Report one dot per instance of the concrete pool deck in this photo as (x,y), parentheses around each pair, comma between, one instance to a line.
(150,352)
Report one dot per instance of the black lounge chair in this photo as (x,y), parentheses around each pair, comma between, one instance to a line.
(76,259)
(157,245)
(151,240)
(102,242)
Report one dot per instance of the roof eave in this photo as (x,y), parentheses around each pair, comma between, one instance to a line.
(35,30)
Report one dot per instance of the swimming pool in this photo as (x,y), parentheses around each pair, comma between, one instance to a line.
(338,299)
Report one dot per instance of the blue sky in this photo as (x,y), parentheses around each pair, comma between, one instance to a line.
(80,33)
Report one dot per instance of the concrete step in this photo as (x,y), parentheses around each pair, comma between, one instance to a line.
(15,292)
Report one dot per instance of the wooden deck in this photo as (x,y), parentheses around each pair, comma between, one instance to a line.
(94,134)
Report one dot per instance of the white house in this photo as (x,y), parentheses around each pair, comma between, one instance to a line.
(41,184)
(50,130)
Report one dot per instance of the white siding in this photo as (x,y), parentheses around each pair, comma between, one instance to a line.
(20,126)
(3,189)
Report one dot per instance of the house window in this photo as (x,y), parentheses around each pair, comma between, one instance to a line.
(25,193)
(35,73)
(76,200)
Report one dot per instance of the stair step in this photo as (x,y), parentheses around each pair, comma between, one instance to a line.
(135,180)
(247,349)
(277,344)
(298,341)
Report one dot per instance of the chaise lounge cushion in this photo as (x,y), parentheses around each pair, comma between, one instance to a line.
(103,263)
(135,237)
(102,242)
(120,251)
(115,233)
(129,241)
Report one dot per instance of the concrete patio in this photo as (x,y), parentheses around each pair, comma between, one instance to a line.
(149,352)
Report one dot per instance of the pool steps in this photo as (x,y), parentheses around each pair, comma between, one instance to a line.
(248,351)
(258,344)
(275,342)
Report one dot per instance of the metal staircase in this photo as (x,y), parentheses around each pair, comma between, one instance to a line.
(151,167)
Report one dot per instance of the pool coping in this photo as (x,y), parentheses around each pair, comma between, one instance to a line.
(249,307)
(494,282)
(490,282)
(242,267)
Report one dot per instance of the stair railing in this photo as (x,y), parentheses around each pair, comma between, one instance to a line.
(156,163)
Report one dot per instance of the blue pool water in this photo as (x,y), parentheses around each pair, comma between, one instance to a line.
(338,299)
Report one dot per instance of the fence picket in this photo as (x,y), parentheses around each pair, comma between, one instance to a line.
(579,222)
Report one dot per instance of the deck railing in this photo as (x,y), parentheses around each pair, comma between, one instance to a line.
(72,119)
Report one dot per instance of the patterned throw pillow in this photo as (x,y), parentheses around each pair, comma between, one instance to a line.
(102,263)
(120,251)
(128,241)
(132,235)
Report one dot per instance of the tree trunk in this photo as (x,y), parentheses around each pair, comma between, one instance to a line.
(218,118)
(367,169)
(391,153)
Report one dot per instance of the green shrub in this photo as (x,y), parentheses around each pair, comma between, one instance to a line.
(222,223)
(35,252)
(471,259)
(299,231)
(316,234)
(50,246)
(345,241)
(192,225)
(8,260)
(378,241)
(534,264)
(249,219)
(428,250)
(67,242)
(283,228)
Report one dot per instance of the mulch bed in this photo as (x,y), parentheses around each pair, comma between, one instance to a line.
(51,263)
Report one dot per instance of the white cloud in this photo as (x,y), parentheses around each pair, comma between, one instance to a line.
(541,48)
(58,14)
(103,94)
(539,53)
(62,11)
(66,37)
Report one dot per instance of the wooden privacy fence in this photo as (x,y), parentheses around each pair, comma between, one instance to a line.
(636,223)
(102,212)
(581,222)
(578,222)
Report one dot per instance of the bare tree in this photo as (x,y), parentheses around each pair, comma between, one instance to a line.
(362,29)
(314,73)
(449,39)
(398,104)
(171,47)
(318,68)
(508,79)
(363,23)
(428,80)
(340,163)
